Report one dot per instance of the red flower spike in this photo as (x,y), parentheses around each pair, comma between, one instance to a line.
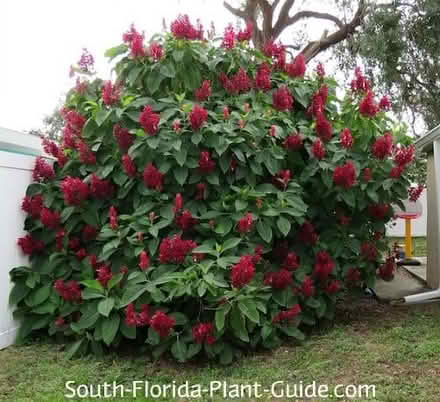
(324,265)
(245,224)
(144,260)
(345,175)
(197,117)
(153,178)
(242,272)
(297,67)
(346,139)
(162,323)
(282,99)
(149,120)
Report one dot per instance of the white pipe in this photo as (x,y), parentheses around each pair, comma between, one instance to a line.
(426,297)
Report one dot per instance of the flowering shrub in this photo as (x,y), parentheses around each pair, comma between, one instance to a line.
(210,200)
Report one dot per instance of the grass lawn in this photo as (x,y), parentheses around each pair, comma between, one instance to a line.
(419,245)
(397,349)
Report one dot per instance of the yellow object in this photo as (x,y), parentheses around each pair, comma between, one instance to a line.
(408,240)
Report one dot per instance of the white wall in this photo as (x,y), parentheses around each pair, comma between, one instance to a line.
(418,226)
(15,175)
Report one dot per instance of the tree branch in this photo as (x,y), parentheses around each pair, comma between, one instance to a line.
(236,11)
(314,14)
(282,18)
(314,48)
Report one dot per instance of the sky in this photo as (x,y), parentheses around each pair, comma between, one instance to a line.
(40,39)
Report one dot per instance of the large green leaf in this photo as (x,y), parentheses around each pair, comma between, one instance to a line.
(110,327)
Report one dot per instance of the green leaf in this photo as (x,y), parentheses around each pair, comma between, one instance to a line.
(73,349)
(106,306)
(153,81)
(193,349)
(128,331)
(38,296)
(168,70)
(93,284)
(87,320)
(220,316)
(134,74)
(181,156)
(18,293)
(102,116)
(265,231)
(238,324)
(294,332)
(110,327)
(181,174)
(248,308)
(179,350)
(133,293)
(231,243)
(226,356)
(114,281)
(89,293)
(115,51)
(67,212)
(284,225)
(240,205)
(213,179)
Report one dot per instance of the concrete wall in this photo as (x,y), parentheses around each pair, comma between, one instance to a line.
(418,226)
(16,165)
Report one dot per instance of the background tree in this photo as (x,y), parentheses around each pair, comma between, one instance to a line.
(52,126)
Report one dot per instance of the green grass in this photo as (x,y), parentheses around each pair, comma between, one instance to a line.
(397,349)
(418,243)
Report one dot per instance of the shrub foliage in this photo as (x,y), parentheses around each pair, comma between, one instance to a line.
(210,200)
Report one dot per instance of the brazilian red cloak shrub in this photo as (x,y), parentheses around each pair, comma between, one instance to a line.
(209,200)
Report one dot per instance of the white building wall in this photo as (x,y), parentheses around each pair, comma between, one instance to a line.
(16,165)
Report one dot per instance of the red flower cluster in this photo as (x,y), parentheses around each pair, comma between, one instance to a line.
(206,164)
(228,37)
(278,280)
(386,270)
(369,251)
(29,245)
(242,272)
(85,154)
(135,40)
(153,178)
(50,147)
(378,211)
(353,275)
(414,192)
(360,83)
(320,70)
(384,103)
(133,319)
(291,262)
(197,117)
(396,171)
(42,170)
(200,188)
(86,61)
(178,203)
(293,142)
(60,322)
(128,165)
(245,34)
(204,92)
(149,120)
(368,107)
(287,315)
(333,287)
(307,287)
(69,291)
(74,121)
(307,233)
(346,139)
(383,146)
(282,99)
(297,67)
(81,86)
(203,333)
(155,51)
(239,82)
(366,175)
(32,205)
(100,188)
(185,220)
(345,175)
(75,190)
(89,232)
(50,219)
(281,180)
(324,265)
(182,28)
(123,137)
(245,224)
(318,149)
(323,127)
(110,93)
(113,216)
(403,156)
(162,323)
(104,274)
(144,260)
(262,77)
(174,249)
